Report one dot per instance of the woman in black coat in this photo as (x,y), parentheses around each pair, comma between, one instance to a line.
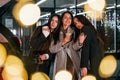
(39,44)
(92,52)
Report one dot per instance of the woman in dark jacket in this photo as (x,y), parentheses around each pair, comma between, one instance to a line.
(39,44)
(92,49)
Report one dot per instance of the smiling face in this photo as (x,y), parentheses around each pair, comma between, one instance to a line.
(77,23)
(67,20)
(54,22)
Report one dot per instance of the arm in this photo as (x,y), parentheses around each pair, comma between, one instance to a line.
(76,45)
(85,58)
(79,43)
(85,53)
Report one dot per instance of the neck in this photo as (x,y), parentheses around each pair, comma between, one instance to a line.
(65,27)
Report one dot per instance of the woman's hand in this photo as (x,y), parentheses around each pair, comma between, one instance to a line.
(66,39)
(82,37)
(83,71)
(42,57)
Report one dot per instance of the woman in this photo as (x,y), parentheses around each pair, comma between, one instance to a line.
(92,48)
(40,41)
(62,44)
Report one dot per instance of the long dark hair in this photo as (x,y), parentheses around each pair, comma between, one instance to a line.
(56,35)
(87,23)
(55,32)
(50,19)
(38,30)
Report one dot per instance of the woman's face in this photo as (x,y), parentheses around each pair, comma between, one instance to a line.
(67,19)
(54,22)
(77,23)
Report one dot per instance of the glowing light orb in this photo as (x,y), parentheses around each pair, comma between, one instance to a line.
(13,65)
(89,77)
(92,13)
(23,0)
(7,76)
(17,78)
(14,69)
(15,11)
(39,76)
(29,14)
(97,4)
(63,75)
(3,55)
(107,66)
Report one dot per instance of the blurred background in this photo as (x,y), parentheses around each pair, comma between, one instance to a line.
(107,23)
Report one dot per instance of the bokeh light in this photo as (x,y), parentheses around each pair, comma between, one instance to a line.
(14,69)
(63,75)
(7,76)
(29,14)
(22,1)
(94,14)
(97,4)
(107,66)
(89,77)
(26,13)
(39,76)
(3,55)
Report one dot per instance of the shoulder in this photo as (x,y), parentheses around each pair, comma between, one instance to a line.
(87,30)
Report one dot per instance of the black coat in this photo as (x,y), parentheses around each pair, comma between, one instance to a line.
(91,54)
(39,44)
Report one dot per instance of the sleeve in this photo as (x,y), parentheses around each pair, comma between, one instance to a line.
(86,50)
(47,56)
(77,46)
(85,55)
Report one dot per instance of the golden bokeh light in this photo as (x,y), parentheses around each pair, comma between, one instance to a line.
(14,69)
(97,4)
(39,76)
(107,66)
(16,10)
(3,55)
(7,76)
(63,75)
(26,13)
(89,77)
(92,13)
(29,14)
(13,65)
(22,1)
